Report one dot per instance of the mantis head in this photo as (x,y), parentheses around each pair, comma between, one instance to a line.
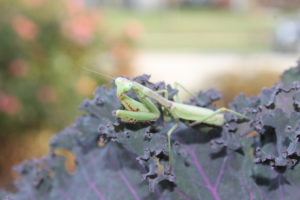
(123,85)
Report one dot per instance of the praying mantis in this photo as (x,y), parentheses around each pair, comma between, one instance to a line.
(145,110)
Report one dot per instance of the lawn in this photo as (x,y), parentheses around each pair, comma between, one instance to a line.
(200,30)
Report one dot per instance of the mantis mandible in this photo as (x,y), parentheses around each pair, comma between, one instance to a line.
(146,110)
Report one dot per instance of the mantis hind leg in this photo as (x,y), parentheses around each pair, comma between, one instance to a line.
(221,110)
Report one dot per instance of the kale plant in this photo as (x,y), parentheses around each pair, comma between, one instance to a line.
(255,160)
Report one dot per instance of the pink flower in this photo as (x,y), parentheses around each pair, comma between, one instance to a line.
(75,6)
(9,104)
(18,68)
(80,29)
(46,94)
(25,28)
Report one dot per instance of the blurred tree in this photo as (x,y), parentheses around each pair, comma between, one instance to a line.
(44,46)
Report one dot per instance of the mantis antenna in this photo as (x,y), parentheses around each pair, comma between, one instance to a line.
(97,72)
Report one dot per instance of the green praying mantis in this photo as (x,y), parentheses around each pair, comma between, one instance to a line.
(145,110)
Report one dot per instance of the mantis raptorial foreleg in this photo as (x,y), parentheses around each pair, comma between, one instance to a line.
(136,111)
(132,116)
(133,105)
(149,104)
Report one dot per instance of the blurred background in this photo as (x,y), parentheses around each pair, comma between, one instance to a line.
(47,45)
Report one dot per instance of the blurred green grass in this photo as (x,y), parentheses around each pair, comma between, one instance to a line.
(200,30)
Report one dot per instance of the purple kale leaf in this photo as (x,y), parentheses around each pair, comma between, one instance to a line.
(256,159)
(273,133)
(109,172)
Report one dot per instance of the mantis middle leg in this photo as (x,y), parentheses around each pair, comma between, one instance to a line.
(169,133)
(147,101)
(178,85)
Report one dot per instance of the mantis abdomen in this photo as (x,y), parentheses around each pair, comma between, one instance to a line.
(193,113)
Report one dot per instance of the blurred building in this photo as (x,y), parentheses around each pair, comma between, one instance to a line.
(287,35)
(287,4)
(236,5)
(142,5)
(146,5)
